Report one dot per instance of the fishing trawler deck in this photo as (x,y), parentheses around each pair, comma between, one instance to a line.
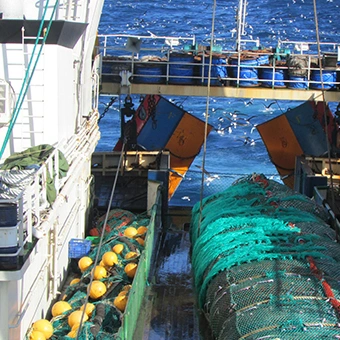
(169,301)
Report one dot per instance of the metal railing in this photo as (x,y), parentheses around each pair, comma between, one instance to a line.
(32,200)
(291,64)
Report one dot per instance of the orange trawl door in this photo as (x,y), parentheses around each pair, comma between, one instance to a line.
(184,145)
(282,146)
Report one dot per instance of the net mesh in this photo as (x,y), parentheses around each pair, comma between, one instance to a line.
(105,320)
(265,263)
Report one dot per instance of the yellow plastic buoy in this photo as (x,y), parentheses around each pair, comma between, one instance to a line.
(99,272)
(130,269)
(75,326)
(84,263)
(110,259)
(140,241)
(127,288)
(74,281)
(73,333)
(75,317)
(60,307)
(118,248)
(43,326)
(120,302)
(36,335)
(130,232)
(98,289)
(142,230)
(90,307)
(131,255)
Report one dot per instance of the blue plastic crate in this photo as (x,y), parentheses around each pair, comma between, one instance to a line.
(78,248)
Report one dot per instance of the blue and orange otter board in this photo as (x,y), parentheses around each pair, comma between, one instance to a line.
(161,125)
(299,131)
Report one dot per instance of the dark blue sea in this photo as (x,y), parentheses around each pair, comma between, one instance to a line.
(231,151)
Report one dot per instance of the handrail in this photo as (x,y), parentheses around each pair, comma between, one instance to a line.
(118,61)
(29,73)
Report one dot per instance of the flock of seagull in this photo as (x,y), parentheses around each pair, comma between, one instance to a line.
(238,119)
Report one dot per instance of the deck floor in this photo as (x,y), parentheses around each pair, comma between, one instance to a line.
(171,301)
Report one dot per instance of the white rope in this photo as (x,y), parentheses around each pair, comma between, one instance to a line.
(207,112)
(101,237)
(325,113)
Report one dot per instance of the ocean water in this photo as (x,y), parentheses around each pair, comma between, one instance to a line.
(232,150)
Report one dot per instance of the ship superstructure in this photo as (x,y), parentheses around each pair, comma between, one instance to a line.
(48,132)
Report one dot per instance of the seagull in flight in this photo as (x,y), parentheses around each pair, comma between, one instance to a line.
(209,177)
(249,103)
(267,107)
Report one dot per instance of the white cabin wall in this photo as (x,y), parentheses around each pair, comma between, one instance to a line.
(4,307)
(84,49)
(48,112)
(59,94)
(12,9)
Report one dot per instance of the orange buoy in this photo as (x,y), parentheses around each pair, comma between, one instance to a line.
(74,281)
(140,241)
(130,232)
(126,287)
(98,289)
(130,255)
(73,333)
(118,248)
(120,302)
(43,326)
(99,272)
(142,230)
(60,307)
(110,258)
(36,335)
(84,263)
(90,307)
(75,317)
(130,269)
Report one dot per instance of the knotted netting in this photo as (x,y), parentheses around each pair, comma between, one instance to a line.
(105,320)
(265,263)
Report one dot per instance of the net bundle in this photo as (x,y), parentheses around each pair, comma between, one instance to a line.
(265,263)
(105,320)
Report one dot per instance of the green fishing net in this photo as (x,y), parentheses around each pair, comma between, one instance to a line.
(105,320)
(265,263)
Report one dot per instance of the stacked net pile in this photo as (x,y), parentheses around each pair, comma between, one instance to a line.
(265,263)
(117,261)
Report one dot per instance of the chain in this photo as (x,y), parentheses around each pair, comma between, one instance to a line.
(152,111)
(113,99)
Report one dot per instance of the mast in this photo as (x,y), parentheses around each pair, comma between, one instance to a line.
(241,22)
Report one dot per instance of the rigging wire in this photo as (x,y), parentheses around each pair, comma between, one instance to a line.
(325,113)
(102,236)
(207,113)
(32,64)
